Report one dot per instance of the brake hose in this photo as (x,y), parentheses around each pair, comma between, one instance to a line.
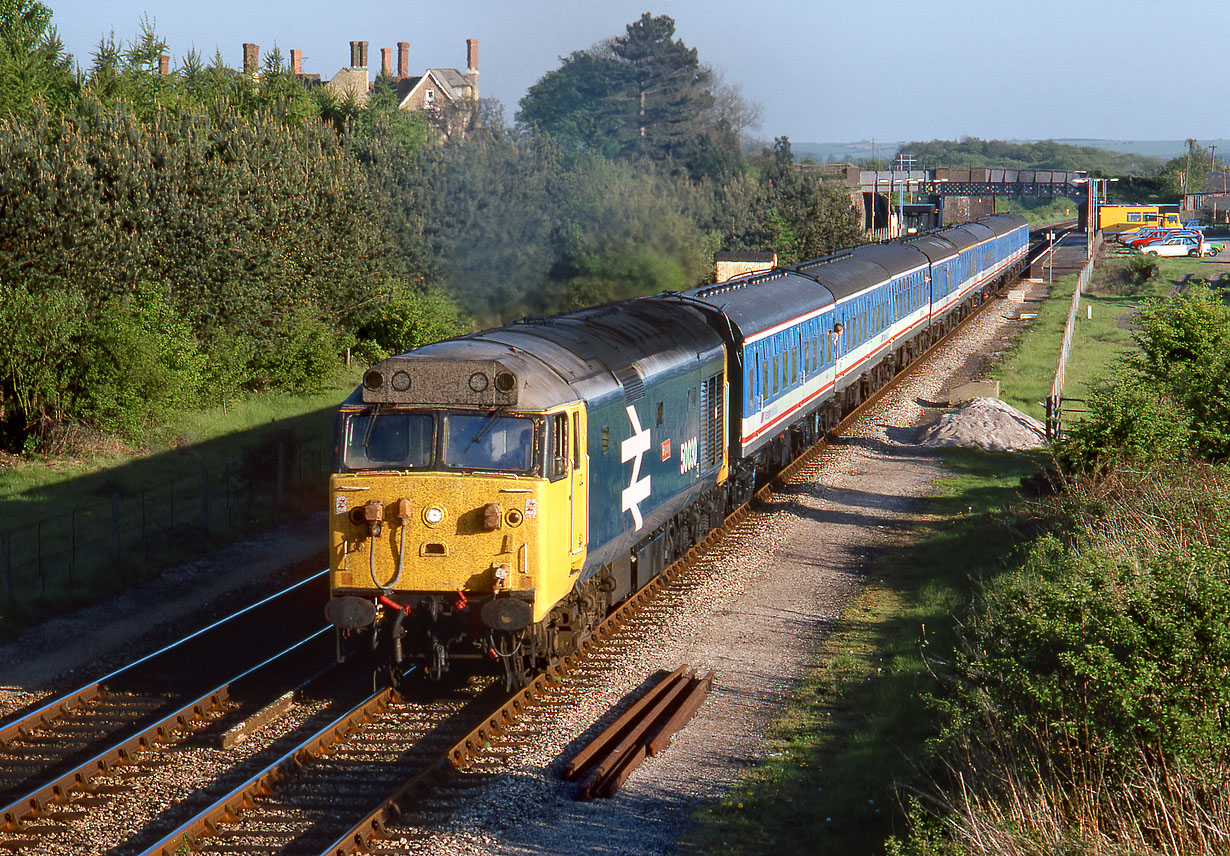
(401,558)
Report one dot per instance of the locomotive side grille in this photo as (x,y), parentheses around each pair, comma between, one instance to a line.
(632,382)
(711,427)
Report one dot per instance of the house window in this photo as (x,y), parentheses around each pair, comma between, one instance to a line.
(429,96)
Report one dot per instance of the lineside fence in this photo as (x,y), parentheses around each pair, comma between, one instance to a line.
(114,541)
(1054,401)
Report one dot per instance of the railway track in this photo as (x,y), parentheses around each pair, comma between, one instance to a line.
(55,750)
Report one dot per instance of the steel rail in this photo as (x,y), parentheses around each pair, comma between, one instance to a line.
(23,724)
(205,823)
(33,804)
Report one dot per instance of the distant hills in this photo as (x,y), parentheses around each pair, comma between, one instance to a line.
(885,150)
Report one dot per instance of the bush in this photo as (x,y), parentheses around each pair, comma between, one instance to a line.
(38,332)
(1079,655)
(405,320)
(1132,419)
(138,363)
(299,354)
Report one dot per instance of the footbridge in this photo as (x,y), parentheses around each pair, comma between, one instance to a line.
(978,181)
(940,195)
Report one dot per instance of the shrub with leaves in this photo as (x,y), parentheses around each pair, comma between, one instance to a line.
(138,363)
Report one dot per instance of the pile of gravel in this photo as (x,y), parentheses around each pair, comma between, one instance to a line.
(988,423)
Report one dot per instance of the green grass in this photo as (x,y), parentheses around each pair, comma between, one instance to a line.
(75,529)
(855,730)
(42,488)
(1025,374)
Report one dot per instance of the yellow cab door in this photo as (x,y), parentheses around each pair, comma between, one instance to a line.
(580,489)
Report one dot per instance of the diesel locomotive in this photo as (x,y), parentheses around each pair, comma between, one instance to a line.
(496,494)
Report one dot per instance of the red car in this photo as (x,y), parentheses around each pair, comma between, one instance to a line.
(1164,234)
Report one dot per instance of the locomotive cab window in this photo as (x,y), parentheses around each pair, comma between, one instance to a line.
(558,464)
(388,440)
(478,441)
(606,439)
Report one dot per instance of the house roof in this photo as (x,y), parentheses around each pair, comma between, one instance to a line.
(350,81)
(409,85)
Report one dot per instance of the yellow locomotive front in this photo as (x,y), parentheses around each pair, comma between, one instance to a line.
(458,513)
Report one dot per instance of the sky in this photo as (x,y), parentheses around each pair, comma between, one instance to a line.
(882,70)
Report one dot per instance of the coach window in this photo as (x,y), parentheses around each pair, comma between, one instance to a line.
(794,364)
(751,392)
(775,374)
(764,379)
(806,354)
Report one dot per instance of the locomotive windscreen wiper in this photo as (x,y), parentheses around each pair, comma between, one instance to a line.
(488,424)
(371,424)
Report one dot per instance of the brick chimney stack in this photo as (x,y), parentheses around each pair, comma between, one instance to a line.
(403,60)
(362,54)
(472,67)
(386,61)
(471,56)
(251,56)
(164,65)
(354,54)
(296,61)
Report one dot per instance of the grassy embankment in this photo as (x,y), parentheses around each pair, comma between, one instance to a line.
(853,740)
(58,511)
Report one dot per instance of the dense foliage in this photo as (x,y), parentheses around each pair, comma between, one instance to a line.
(1086,696)
(1048,154)
(1170,399)
(174,240)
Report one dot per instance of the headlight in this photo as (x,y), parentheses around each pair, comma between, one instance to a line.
(433,515)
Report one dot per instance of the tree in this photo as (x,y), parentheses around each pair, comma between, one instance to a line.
(732,107)
(664,88)
(573,103)
(643,96)
(791,213)
(33,62)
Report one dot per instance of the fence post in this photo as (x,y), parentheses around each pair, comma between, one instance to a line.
(115,527)
(6,544)
(205,498)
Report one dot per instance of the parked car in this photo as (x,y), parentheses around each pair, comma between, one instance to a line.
(1163,235)
(1183,246)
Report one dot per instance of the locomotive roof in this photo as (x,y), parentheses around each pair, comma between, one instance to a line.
(761,301)
(567,357)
